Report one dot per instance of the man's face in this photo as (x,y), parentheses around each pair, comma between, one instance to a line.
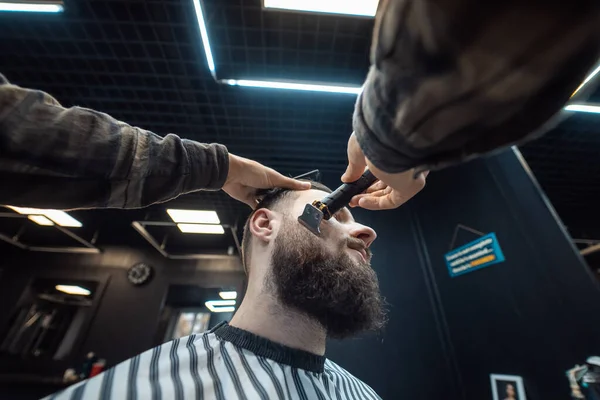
(328,277)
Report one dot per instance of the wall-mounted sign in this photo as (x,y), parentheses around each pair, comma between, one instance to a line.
(475,255)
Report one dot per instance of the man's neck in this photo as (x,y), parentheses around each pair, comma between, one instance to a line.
(261,314)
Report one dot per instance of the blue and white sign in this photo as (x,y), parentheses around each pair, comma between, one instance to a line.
(478,254)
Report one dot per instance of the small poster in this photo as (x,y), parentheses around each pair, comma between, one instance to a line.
(507,387)
(475,255)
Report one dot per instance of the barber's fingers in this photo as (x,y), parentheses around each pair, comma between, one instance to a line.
(356,161)
(281,181)
(383,202)
(388,198)
(373,189)
(375,193)
(379,185)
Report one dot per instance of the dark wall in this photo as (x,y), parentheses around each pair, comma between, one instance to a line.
(127,316)
(533,315)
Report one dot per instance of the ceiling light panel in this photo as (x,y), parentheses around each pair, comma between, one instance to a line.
(72,289)
(60,218)
(26,210)
(363,8)
(201,228)
(40,220)
(222,309)
(193,216)
(220,305)
(229,295)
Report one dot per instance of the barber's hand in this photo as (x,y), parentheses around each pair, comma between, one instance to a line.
(246,176)
(391,191)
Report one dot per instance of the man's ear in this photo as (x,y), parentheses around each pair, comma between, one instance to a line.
(262,224)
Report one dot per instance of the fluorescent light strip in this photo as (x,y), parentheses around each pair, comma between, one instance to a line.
(40,220)
(255,83)
(365,8)
(204,35)
(230,295)
(72,289)
(60,218)
(193,216)
(587,108)
(220,305)
(590,76)
(201,228)
(293,86)
(31,7)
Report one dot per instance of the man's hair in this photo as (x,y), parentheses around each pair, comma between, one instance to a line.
(270,200)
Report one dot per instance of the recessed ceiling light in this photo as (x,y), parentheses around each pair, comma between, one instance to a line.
(587,108)
(229,295)
(60,218)
(201,228)
(310,87)
(193,216)
(40,220)
(365,8)
(47,7)
(72,289)
(220,305)
(26,210)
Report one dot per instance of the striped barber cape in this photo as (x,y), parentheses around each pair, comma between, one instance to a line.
(224,363)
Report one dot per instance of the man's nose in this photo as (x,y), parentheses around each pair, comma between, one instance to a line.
(364,233)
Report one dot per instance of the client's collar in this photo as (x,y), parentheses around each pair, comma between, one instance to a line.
(266,348)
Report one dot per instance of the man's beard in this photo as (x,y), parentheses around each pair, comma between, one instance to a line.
(341,294)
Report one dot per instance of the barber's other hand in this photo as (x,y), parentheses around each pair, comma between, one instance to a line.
(381,196)
(246,176)
(391,191)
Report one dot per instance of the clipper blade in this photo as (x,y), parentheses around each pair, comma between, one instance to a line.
(311,218)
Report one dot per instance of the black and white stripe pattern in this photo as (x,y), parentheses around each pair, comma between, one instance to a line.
(209,367)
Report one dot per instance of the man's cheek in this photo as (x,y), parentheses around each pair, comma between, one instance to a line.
(330,230)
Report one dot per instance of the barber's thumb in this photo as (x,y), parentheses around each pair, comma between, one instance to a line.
(353,172)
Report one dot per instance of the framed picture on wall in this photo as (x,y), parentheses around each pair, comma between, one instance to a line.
(507,387)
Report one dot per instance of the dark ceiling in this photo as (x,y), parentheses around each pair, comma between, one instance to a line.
(142,61)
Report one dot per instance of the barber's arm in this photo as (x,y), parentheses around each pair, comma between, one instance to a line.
(56,157)
(452,80)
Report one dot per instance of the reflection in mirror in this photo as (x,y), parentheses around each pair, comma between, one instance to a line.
(48,319)
(189,321)
(191,309)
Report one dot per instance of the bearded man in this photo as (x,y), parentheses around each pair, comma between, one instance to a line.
(301,290)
